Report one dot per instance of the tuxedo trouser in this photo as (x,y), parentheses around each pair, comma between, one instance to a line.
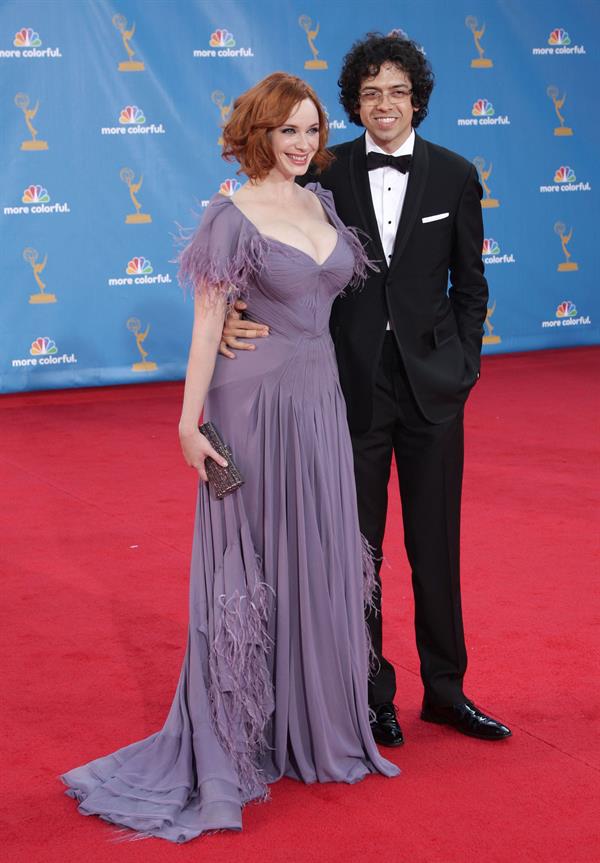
(429,460)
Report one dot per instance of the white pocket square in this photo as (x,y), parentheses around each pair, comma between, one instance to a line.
(435,218)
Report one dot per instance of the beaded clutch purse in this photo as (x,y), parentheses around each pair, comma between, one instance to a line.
(223,480)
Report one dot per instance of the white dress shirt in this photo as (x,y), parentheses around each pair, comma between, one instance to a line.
(388,190)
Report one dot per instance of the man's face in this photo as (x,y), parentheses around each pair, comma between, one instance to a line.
(386,108)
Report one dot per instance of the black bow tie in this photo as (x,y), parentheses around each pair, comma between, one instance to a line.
(382,160)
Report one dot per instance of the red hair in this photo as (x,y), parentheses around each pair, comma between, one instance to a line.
(261,109)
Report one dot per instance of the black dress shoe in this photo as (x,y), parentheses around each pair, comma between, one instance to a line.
(384,725)
(467,719)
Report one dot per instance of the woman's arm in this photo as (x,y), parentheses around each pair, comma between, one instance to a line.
(209,314)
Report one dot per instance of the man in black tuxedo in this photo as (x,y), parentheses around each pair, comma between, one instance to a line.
(408,349)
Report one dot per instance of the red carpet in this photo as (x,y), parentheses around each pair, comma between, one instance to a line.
(97,511)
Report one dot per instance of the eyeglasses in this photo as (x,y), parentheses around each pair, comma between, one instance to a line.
(374,97)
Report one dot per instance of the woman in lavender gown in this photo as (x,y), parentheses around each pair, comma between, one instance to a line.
(274,681)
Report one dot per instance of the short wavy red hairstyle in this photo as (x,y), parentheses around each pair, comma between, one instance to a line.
(261,109)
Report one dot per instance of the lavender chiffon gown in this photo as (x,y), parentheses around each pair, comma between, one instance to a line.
(274,680)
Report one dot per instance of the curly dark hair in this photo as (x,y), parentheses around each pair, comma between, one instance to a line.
(365,59)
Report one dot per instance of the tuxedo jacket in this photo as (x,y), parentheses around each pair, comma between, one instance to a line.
(432,291)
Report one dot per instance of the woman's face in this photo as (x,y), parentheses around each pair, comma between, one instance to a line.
(295,143)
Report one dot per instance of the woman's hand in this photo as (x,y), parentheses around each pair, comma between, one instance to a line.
(235,328)
(196,449)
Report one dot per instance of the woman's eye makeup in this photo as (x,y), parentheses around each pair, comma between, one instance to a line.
(286,129)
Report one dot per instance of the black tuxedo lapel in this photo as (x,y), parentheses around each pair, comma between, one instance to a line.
(359,178)
(414,192)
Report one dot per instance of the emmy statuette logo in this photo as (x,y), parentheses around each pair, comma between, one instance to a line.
(552,93)
(484,174)
(31,257)
(479,62)
(218,99)
(311,34)
(134,326)
(129,65)
(490,338)
(22,102)
(566,266)
(137,218)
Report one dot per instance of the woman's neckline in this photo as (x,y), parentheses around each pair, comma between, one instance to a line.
(289,245)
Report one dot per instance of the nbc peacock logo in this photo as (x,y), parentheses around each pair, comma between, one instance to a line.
(43,351)
(564,174)
(222,44)
(564,180)
(35,195)
(28,44)
(558,36)
(490,247)
(558,42)
(132,121)
(483,113)
(139,271)
(222,39)
(566,315)
(491,253)
(131,114)
(36,199)
(27,38)
(482,108)
(566,309)
(229,187)
(42,347)
(139,267)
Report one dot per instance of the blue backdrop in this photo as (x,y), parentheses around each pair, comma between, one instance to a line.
(110,136)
